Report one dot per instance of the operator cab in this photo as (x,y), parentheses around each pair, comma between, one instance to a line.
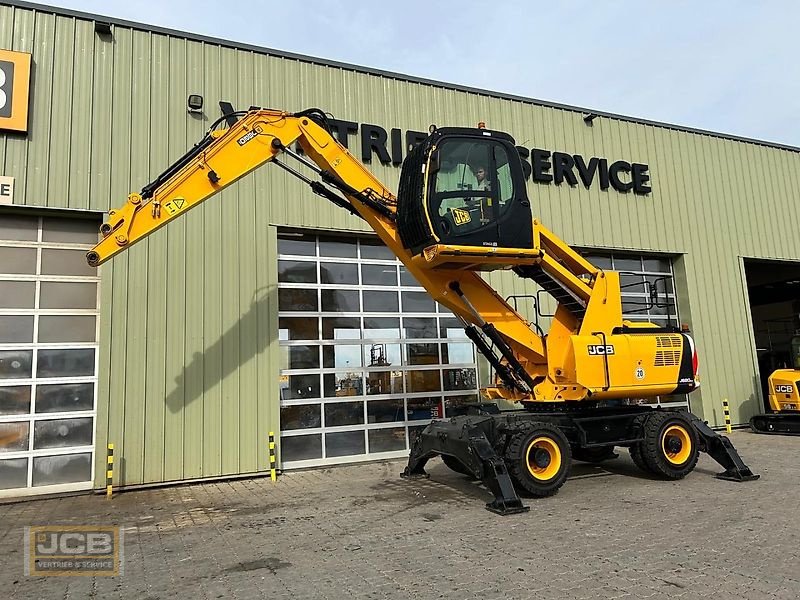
(466,188)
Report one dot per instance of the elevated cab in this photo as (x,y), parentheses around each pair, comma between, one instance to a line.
(462,200)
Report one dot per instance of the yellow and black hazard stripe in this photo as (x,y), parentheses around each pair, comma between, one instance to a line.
(272,459)
(727,412)
(109,470)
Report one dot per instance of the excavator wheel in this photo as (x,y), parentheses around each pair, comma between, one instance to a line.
(455,465)
(539,459)
(638,459)
(670,447)
(594,455)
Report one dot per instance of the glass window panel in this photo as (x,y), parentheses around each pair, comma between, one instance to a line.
(70,231)
(344,443)
(340,301)
(341,356)
(664,308)
(19,228)
(422,354)
(298,328)
(663,285)
(634,305)
(338,414)
(453,403)
(454,354)
(343,384)
(381,327)
(460,379)
(379,274)
(419,327)
(382,355)
(16,329)
(62,397)
(15,364)
(631,283)
(61,433)
(417,302)
(18,260)
(301,416)
(384,382)
(297,299)
(66,262)
(387,440)
(297,271)
(423,381)
(341,273)
(300,386)
(374,248)
(451,328)
(385,411)
(301,447)
(15,400)
(299,357)
(63,328)
(57,294)
(341,328)
(659,265)
(424,409)
(337,247)
(627,263)
(378,301)
(68,468)
(406,278)
(70,362)
(13,473)
(601,262)
(300,244)
(17,294)
(14,436)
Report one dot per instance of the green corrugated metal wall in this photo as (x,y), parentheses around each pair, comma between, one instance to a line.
(188,369)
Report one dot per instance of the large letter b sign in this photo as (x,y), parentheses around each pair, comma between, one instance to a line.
(15,68)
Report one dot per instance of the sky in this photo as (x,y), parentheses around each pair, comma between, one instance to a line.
(729,66)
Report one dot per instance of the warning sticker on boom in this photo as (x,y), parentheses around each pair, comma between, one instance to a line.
(175,205)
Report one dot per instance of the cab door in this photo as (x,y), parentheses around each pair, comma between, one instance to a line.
(477,195)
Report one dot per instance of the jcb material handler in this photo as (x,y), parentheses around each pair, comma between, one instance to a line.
(574,384)
(784,399)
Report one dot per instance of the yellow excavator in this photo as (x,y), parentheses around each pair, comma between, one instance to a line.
(579,387)
(784,399)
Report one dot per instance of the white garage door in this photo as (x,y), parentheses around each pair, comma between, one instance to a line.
(48,354)
(367,355)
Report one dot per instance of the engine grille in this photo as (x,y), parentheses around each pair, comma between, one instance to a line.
(667,358)
(669,341)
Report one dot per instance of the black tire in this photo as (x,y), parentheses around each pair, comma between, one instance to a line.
(638,459)
(593,455)
(670,447)
(538,459)
(455,465)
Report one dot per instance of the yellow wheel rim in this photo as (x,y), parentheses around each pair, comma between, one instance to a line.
(543,450)
(675,455)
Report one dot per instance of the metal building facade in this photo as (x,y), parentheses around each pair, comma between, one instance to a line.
(188,337)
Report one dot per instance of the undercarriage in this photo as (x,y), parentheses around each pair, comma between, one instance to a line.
(531,450)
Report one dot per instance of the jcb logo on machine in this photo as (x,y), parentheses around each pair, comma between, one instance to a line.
(461,217)
(249,135)
(784,389)
(600,350)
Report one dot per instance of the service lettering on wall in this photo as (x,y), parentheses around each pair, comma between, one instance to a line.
(543,166)
(6,190)
(15,71)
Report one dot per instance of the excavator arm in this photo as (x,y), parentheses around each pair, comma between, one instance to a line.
(262,136)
